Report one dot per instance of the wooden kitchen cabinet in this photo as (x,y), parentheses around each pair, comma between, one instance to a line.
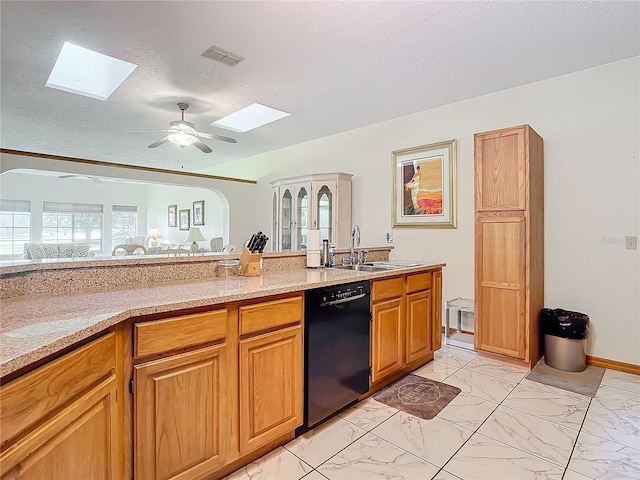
(419,331)
(509,242)
(406,322)
(387,338)
(60,421)
(180,404)
(436,311)
(271,373)
(270,387)
(183,400)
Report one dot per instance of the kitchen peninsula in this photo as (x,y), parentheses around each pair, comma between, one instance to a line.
(174,379)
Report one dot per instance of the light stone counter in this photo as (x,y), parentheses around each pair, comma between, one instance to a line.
(35,326)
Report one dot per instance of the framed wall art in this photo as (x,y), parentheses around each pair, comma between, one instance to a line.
(173,215)
(184,217)
(198,212)
(424,186)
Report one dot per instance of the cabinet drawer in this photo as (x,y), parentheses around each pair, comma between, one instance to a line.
(381,289)
(33,396)
(179,332)
(266,315)
(419,281)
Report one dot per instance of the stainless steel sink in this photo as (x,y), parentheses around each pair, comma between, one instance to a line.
(363,268)
(395,264)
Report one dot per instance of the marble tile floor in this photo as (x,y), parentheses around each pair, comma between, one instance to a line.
(501,426)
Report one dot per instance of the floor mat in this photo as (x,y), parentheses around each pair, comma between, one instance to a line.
(418,396)
(585,383)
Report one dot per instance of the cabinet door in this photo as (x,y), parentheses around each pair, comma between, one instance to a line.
(302,217)
(286,219)
(500,285)
(180,404)
(436,312)
(275,227)
(387,338)
(418,331)
(79,442)
(324,209)
(270,387)
(501,171)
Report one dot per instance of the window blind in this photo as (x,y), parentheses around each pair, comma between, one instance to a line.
(125,208)
(15,205)
(71,207)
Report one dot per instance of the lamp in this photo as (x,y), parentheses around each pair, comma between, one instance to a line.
(154,235)
(194,236)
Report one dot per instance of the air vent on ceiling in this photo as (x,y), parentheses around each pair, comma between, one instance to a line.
(222,56)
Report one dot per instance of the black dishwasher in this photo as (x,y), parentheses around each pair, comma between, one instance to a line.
(336,349)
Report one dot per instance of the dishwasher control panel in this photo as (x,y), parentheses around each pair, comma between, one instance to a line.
(343,292)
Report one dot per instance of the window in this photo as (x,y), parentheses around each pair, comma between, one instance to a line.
(15,226)
(124,221)
(72,223)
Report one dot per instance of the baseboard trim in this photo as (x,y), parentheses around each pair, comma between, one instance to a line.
(613,365)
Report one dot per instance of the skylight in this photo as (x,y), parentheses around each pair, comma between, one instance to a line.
(250,117)
(85,72)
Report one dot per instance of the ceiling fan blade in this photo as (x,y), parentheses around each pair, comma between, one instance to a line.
(213,136)
(67,176)
(159,142)
(202,146)
(148,130)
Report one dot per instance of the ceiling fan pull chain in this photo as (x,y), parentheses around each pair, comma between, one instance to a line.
(182,157)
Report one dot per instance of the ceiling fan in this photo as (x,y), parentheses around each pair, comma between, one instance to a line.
(183,134)
(95,180)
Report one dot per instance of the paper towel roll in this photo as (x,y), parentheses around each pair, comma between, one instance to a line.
(313,240)
(313,258)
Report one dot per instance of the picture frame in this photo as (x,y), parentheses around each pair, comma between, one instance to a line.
(172,215)
(424,186)
(198,212)
(184,217)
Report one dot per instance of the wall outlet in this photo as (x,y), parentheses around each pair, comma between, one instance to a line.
(631,242)
(389,237)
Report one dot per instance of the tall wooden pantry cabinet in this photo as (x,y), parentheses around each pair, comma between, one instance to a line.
(509,243)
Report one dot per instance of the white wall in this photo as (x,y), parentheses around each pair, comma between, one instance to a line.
(590,122)
(159,197)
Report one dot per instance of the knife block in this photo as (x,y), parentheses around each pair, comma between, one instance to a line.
(249,263)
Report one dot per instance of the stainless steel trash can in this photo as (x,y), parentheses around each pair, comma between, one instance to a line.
(565,339)
(565,353)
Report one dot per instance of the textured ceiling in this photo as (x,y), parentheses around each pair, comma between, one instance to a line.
(334,66)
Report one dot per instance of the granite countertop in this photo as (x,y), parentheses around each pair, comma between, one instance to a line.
(33,327)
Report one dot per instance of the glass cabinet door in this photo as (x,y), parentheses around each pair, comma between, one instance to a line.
(276,222)
(324,213)
(302,218)
(287,207)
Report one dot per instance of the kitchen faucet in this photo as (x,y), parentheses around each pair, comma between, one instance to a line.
(355,238)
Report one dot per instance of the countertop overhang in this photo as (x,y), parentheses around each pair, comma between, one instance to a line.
(33,327)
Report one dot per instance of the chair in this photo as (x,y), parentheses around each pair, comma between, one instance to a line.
(130,249)
(216,244)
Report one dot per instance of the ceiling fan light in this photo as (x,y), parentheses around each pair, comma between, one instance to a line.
(182,139)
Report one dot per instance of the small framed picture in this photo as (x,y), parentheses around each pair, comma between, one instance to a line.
(185,219)
(173,215)
(198,212)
